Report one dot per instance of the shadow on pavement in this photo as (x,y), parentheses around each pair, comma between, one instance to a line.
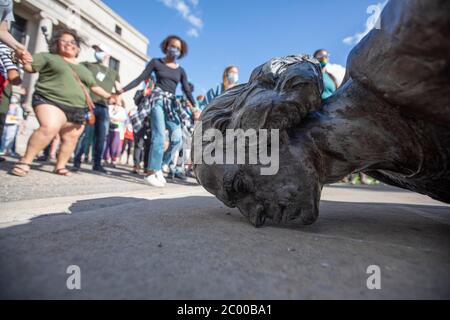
(378,188)
(126,174)
(120,173)
(195,248)
(7,165)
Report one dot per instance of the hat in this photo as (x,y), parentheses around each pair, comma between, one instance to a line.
(101,47)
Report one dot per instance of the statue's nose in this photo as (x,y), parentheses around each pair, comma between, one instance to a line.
(257,216)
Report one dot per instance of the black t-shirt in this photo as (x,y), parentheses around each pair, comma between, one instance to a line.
(167,78)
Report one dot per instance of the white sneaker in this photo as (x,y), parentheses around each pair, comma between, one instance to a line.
(153,181)
(166,168)
(160,177)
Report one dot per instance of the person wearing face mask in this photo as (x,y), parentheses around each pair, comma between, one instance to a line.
(230,78)
(330,83)
(108,79)
(162,108)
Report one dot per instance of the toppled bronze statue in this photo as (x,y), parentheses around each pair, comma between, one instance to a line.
(390,119)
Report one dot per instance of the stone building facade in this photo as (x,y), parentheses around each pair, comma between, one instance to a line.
(94,21)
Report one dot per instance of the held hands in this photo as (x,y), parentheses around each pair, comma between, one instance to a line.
(23,56)
(194,110)
(196,114)
(114,99)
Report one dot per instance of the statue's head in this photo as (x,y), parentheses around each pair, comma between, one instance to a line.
(278,97)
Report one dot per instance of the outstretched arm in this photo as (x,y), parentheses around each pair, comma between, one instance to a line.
(99,91)
(8,39)
(187,89)
(21,52)
(143,76)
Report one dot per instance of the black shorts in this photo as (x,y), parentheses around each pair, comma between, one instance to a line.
(73,114)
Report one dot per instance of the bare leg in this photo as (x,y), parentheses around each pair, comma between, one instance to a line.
(54,147)
(51,119)
(69,134)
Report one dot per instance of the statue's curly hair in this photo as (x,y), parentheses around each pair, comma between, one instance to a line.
(295,83)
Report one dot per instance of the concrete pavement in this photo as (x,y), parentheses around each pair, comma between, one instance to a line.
(131,241)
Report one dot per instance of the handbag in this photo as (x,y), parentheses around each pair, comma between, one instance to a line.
(90,115)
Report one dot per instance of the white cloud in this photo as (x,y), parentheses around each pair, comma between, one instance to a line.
(337,71)
(193,33)
(195,21)
(194,2)
(372,22)
(185,11)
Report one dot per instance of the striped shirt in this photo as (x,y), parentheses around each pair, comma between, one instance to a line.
(6,62)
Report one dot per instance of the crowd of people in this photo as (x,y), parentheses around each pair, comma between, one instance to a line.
(156,134)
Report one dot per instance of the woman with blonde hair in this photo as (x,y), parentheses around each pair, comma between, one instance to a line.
(230,78)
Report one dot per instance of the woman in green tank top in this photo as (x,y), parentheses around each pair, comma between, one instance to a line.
(59,100)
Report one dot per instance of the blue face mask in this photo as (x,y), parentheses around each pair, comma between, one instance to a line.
(323,59)
(100,56)
(173,52)
(233,78)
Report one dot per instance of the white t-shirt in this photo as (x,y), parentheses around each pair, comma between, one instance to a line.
(117,117)
(14,115)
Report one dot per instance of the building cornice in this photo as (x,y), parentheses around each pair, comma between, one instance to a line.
(125,23)
(99,26)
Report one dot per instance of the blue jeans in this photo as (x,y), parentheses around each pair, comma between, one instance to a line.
(101,128)
(8,136)
(160,122)
(81,145)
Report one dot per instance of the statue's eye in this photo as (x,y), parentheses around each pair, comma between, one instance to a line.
(237,185)
(290,83)
(242,184)
(228,181)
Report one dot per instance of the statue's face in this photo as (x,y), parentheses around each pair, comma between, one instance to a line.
(275,98)
(291,194)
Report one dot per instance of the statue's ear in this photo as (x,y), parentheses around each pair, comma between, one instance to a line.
(280,94)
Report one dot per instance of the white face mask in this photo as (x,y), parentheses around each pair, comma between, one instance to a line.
(100,56)
(233,78)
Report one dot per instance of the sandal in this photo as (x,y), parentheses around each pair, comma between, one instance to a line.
(63,172)
(20,169)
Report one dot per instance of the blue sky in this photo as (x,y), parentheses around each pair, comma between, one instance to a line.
(245,33)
